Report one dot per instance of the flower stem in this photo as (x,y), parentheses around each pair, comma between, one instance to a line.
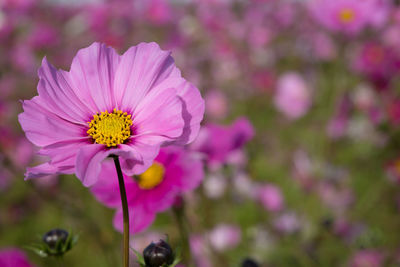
(180,217)
(124,211)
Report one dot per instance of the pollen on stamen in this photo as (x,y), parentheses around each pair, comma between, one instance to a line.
(110,129)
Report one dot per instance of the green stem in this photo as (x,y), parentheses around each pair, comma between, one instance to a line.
(124,211)
(179,213)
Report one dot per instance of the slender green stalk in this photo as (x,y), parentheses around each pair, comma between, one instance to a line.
(124,211)
(180,217)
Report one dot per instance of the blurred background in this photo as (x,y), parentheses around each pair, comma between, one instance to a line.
(306,94)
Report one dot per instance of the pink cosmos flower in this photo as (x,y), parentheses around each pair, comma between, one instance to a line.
(367,258)
(13,257)
(218,142)
(349,16)
(270,197)
(173,172)
(224,237)
(127,105)
(293,96)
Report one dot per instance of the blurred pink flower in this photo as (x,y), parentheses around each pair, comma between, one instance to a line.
(349,16)
(217,142)
(367,258)
(74,117)
(158,11)
(270,197)
(338,199)
(200,251)
(174,171)
(293,96)
(323,46)
(23,58)
(17,5)
(43,36)
(13,257)
(224,237)
(216,104)
(287,223)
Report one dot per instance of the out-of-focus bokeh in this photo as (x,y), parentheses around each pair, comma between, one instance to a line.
(300,140)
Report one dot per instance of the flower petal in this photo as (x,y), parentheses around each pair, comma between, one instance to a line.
(42,127)
(158,117)
(136,157)
(41,170)
(88,162)
(142,67)
(193,110)
(55,90)
(92,75)
(63,154)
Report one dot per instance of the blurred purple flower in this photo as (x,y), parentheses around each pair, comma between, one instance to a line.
(376,62)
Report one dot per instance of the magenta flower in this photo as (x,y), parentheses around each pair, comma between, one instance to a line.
(108,104)
(13,257)
(173,172)
(218,142)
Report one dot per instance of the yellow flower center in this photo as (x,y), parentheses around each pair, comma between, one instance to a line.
(152,177)
(110,129)
(347,15)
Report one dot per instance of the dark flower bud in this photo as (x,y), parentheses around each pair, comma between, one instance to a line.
(158,254)
(249,263)
(54,243)
(55,237)
(327,223)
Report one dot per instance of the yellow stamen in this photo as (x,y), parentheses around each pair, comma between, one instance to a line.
(110,129)
(347,15)
(152,177)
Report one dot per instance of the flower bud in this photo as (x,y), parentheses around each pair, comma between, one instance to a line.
(249,263)
(158,254)
(55,237)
